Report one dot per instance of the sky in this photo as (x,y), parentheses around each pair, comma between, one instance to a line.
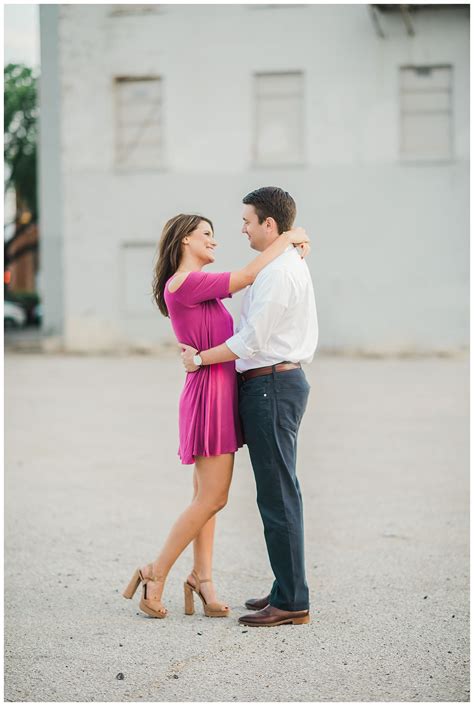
(21,34)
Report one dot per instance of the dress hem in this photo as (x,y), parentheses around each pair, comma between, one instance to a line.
(207,455)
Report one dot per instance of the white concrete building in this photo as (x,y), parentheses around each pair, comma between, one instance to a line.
(360,112)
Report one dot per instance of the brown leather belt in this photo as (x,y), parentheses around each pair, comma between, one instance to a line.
(278,368)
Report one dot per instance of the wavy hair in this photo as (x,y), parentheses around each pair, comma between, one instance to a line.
(170,253)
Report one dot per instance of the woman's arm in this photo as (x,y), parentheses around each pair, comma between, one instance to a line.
(242,278)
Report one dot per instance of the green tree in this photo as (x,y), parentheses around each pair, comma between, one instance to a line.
(20,146)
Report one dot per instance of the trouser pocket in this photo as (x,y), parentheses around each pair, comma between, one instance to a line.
(291,399)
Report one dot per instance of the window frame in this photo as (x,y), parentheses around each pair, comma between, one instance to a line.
(122,167)
(141,10)
(126,308)
(296,162)
(413,159)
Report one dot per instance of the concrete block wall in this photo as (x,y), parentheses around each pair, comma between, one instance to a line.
(390,240)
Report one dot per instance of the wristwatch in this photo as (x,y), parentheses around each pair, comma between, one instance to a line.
(197,360)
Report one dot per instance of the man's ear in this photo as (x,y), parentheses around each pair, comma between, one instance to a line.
(271,224)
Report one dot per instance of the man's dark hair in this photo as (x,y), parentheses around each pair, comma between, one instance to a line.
(273,202)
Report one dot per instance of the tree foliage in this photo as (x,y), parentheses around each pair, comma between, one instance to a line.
(21,133)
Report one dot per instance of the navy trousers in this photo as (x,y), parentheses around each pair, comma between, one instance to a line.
(271,408)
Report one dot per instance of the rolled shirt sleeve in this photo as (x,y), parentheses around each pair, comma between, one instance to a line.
(265,312)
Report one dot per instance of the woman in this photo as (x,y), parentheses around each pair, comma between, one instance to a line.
(209,428)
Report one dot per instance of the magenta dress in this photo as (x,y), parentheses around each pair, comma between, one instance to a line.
(208,407)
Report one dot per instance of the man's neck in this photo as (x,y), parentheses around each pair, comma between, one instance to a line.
(270,241)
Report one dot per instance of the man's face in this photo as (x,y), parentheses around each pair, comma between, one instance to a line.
(258,234)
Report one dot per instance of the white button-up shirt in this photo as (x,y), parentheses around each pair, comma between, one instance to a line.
(278,318)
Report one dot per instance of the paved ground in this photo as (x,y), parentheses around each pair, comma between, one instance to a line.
(93,483)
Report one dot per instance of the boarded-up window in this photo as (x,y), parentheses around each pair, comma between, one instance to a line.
(139,123)
(272,6)
(145,9)
(279,135)
(426,112)
(136,278)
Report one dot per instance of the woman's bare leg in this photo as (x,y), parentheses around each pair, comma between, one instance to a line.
(203,547)
(214,475)
(203,543)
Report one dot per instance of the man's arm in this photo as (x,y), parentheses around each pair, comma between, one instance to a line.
(242,278)
(218,354)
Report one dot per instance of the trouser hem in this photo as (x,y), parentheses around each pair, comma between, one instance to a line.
(289,606)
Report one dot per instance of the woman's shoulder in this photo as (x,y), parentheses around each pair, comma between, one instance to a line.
(176,280)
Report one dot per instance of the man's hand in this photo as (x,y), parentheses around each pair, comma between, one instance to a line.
(187,354)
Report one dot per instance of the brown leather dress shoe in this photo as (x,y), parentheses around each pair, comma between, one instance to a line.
(257,603)
(271,616)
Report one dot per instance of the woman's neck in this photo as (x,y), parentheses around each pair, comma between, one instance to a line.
(189,264)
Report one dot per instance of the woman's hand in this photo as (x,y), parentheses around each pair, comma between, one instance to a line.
(300,239)
(303,250)
(298,235)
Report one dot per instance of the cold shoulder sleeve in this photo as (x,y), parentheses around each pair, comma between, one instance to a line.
(202,286)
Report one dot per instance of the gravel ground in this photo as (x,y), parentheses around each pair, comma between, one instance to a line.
(93,484)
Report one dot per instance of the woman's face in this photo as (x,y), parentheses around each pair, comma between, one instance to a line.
(201,243)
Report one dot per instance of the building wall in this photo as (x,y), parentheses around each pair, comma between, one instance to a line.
(51,279)
(390,239)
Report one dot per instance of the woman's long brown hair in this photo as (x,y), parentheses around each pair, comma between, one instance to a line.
(170,253)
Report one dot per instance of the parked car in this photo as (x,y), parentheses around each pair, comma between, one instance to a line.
(37,315)
(14,315)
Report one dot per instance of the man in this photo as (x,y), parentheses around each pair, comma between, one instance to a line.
(278,331)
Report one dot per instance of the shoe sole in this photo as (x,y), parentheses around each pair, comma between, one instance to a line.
(189,592)
(287,621)
(150,611)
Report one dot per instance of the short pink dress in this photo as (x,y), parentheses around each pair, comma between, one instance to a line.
(208,407)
